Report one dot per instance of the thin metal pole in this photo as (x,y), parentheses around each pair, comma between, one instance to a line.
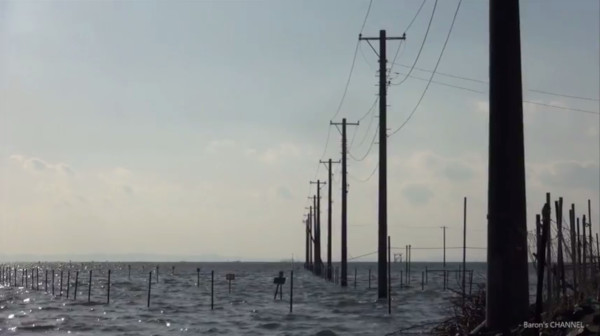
(291,290)
(108,289)
(90,287)
(76,284)
(149,287)
(68,282)
(212,290)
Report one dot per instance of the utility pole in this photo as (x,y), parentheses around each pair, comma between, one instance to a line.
(315,225)
(507,302)
(344,275)
(382,286)
(444,229)
(310,234)
(318,233)
(307,258)
(329,203)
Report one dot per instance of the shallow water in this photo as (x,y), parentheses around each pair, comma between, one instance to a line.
(177,305)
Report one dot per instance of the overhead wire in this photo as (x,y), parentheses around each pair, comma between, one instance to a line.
(422,42)
(524,101)
(434,70)
(369,150)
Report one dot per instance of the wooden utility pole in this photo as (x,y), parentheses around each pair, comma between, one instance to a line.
(344,275)
(318,270)
(311,239)
(307,259)
(507,288)
(329,206)
(382,223)
(315,225)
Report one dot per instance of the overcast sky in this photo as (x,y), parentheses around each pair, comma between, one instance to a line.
(194,127)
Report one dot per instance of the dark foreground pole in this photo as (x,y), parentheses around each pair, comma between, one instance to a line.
(61,283)
(507,288)
(149,287)
(389,275)
(129,272)
(291,290)
(464,263)
(197,277)
(369,278)
(53,282)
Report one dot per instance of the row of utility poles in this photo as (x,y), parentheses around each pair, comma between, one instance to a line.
(507,287)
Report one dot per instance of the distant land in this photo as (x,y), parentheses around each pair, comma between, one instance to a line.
(133,257)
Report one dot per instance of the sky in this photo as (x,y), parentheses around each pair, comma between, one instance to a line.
(193,128)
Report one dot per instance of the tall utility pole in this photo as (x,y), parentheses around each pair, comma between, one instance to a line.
(382,286)
(310,239)
(507,290)
(329,203)
(316,260)
(444,230)
(305,221)
(318,269)
(344,275)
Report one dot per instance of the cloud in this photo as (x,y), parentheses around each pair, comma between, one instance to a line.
(458,171)
(284,193)
(572,174)
(127,189)
(37,165)
(417,194)
(216,146)
(282,152)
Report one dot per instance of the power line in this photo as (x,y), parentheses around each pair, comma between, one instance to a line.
(524,101)
(423,42)
(486,82)
(562,107)
(414,17)
(445,84)
(564,95)
(405,30)
(369,150)
(353,63)
(434,69)
(369,177)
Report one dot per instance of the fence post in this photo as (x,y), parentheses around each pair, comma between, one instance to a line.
(197,277)
(149,286)
(212,290)
(90,287)
(291,290)
(108,289)
(68,282)
(76,284)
